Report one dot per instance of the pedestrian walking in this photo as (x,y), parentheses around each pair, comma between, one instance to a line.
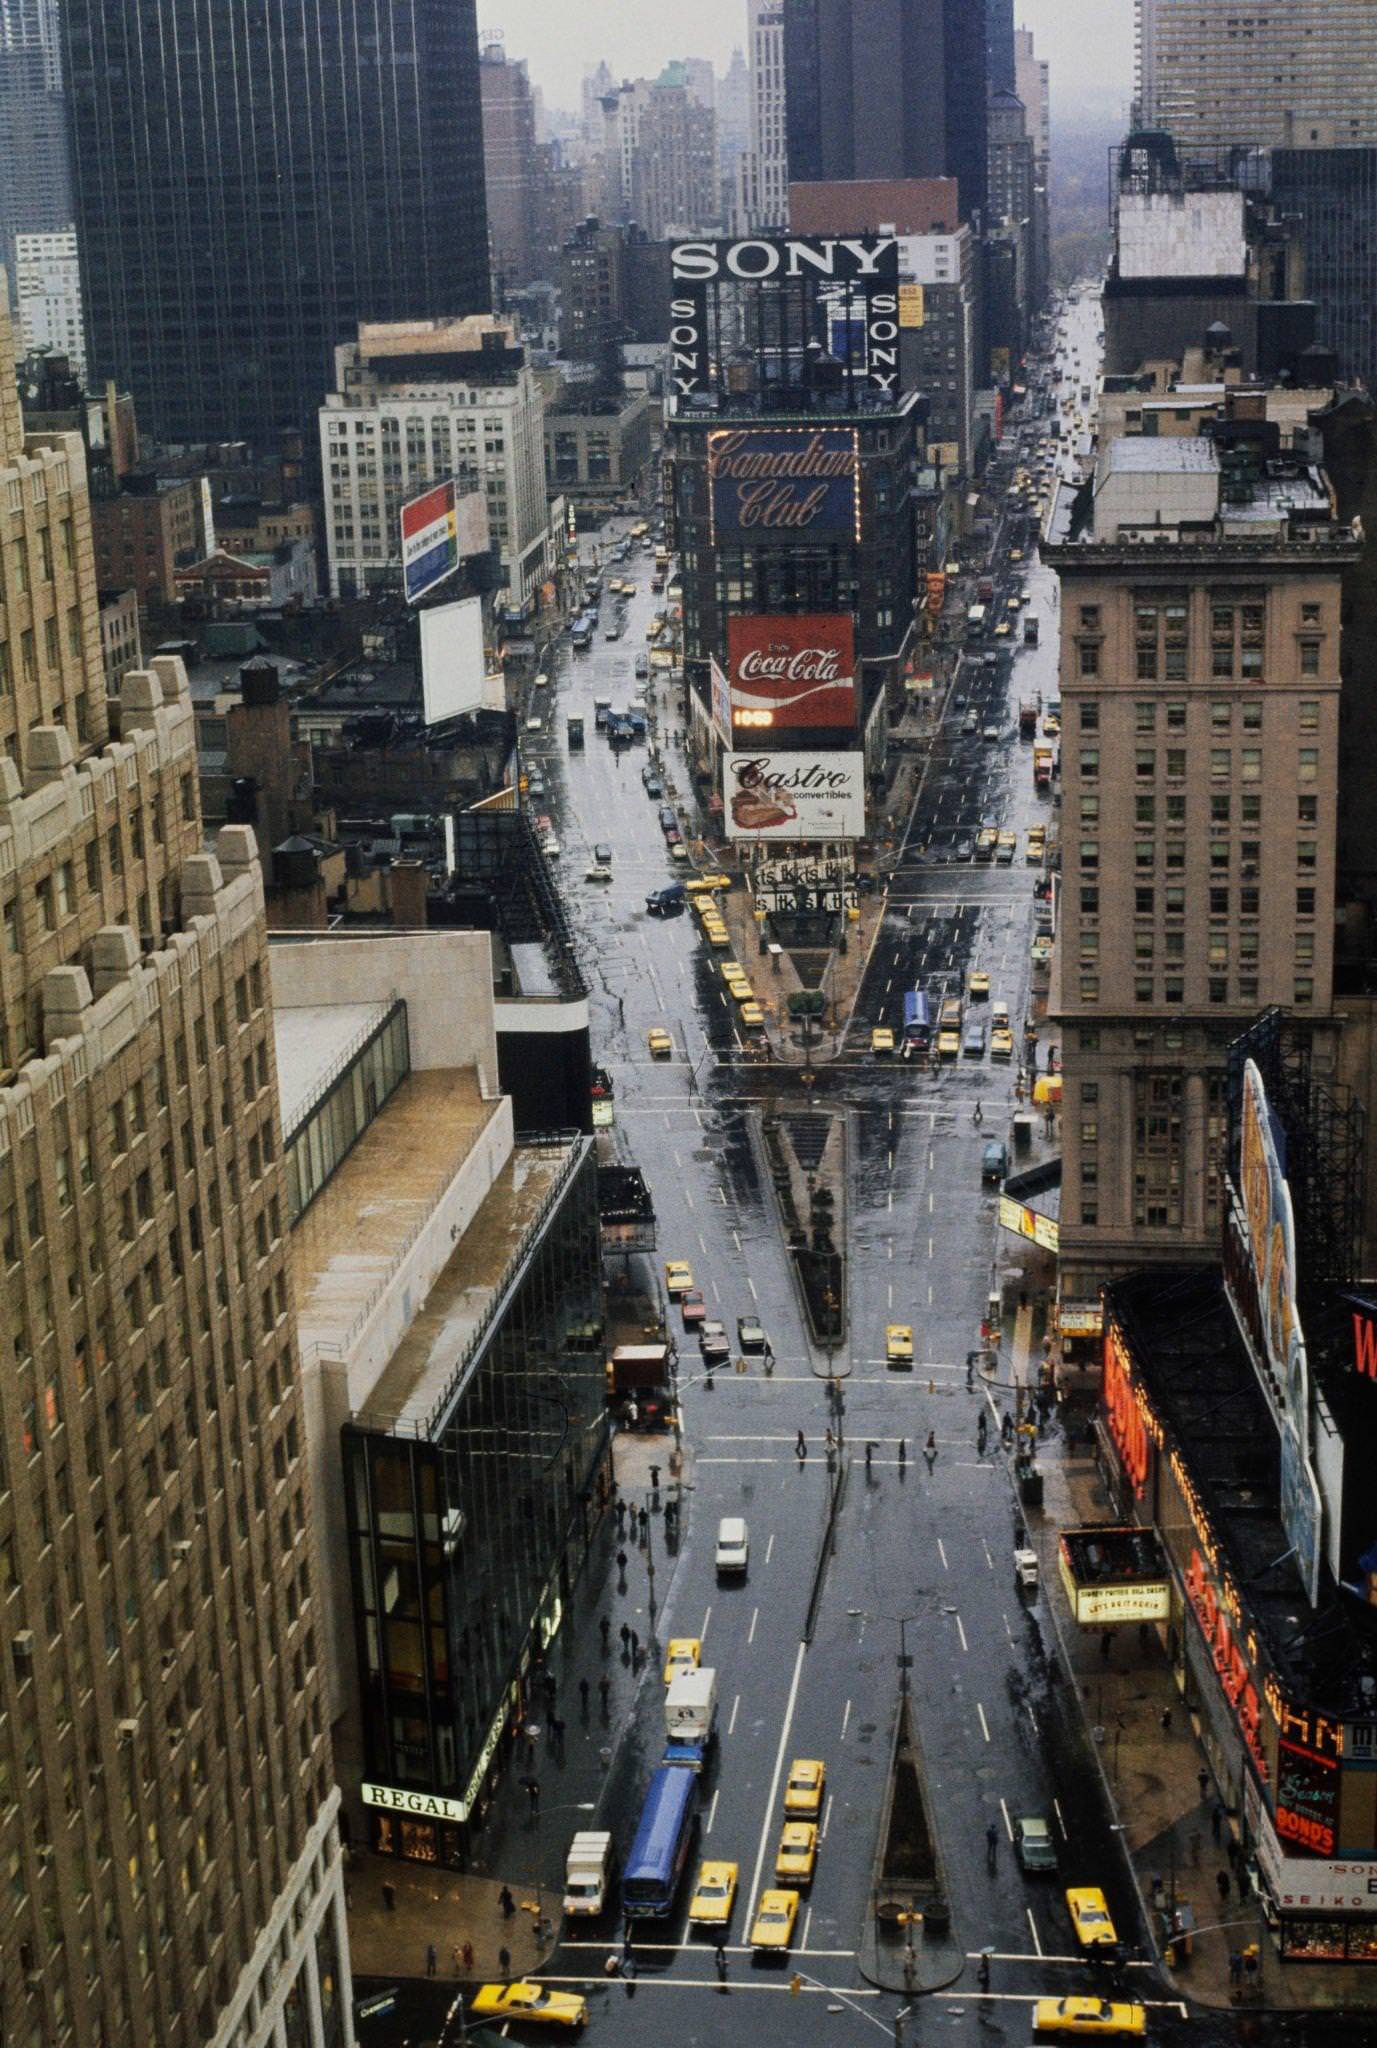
(430,1959)
(800,1445)
(626,1638)
(533,1794)
(621,1009)
(645,1523)
(1235,1967)
(983,1970)
(829,1440)
(389,1897)
(903,1452)
(1202,1779)
(719,1956)
(557,1733)
(1166,1720)
(584,1690)
(506,1902)
(550,1688)
(605,1694)
(1216,1821)
(1251,1963)
(635,1649)
(992,1847)
(1222,1886)
(504,1961)
(977,1116)
(930,1447)
(869,1452)
(1195,1842)
(621,1569)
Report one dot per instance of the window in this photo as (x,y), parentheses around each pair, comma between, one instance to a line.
(1307,810)
(1089,764)
(1252,716)
(1090,856)
(1251,759)
(1310,657)
(1145,762)
(1176,764)
(1176,718)
(1305,856)
(1305,902)
(1090,618)
(1304,989)
(1089,653)
(1309,765)
(1145,716)
(1175,902)
(1142,989)
(1143,901)
(1090,901)
(1221,713)
(1144,853)
(1219,809)
(1090,715)
(1309,714)
(1144,810)
(1090,810)
(1220,760)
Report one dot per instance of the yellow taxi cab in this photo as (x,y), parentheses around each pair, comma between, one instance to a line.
(732,970)
(714,1895)
(949,1045)
(701,885)
(882,1039)
(1090,2016)
(1037,847)
(523,2001)
(717,935)
(741,989)
(1015,554)
(660,1043)
(1001,1043)
(774,1920)
(1050,727)
(978,984)
(898,1341)
(1090,1919)
(803,1788)
(752,1017)
(678,1277)
(1002,630)
(1007,847)
(716,881)
(797,1852)
(683,1654)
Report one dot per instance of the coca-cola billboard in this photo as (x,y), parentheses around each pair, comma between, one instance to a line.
(792,673)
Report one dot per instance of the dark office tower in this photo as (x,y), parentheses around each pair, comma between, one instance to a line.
(253,181)
(886,89)
(999,58)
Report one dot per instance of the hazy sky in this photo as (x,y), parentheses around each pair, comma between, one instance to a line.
(1088,43)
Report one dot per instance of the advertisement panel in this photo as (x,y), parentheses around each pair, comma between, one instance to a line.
(910,305)
(689,365)
(471,521)
(1129,1600)
(748,261)
(453,671)
(1026,1222)
(721,703)
(794,796)
(823,879)
(765,481)
(795,673)
(430,540)
(1307,1799)
(1301,1884)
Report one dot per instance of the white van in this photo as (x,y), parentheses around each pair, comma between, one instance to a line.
(732,1545)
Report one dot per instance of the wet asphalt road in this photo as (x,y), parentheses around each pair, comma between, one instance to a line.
(926,1540)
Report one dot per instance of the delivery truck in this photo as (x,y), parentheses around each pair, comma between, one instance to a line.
(1042,768)
(1027,718)
(690,1716)
(587,1873)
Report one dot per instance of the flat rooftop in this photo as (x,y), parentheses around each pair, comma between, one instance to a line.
(313,1040)
(428,1357)
(1146,453)
(349,1243)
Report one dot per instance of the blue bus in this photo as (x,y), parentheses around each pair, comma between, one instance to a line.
(918,1020)
(665,1835)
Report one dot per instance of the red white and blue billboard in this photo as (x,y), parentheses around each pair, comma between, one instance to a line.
(430,540)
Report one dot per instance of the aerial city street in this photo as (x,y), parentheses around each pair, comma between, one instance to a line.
(688,1023)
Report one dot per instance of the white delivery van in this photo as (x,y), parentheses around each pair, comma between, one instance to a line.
(587,1872)
(732,1545)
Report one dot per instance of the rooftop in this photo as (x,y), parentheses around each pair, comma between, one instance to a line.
(312,1043)
(1147,455)
(351,1241)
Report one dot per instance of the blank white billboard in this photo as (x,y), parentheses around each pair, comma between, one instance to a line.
(452,665)
(471,515)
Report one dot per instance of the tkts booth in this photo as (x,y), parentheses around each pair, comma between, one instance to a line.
(1227,1436)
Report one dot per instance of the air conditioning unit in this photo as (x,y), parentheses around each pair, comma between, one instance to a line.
(126,1730)
(23,1643)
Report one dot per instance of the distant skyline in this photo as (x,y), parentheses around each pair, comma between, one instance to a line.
(1088,43)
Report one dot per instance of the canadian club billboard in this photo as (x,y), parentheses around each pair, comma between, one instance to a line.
(768,482)
(794,796)
(792,674)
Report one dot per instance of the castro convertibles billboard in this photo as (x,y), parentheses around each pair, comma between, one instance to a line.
(794,796)
(792,672)
(767,483)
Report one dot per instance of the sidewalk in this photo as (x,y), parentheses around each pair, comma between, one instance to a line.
(524,1844)
(1177,1834)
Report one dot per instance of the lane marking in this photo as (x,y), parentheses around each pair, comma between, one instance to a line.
(826,1818)
(984,1724)
(712,1811)
(703,1626)
(807,1928)
(942,1553)
(1056,1808)
(846,1716)
(738,1984)
(769,1547)
(1033,1929)
(1008,1824)
(771,1806)
(755,1616)
(751,1284)
(962,1633)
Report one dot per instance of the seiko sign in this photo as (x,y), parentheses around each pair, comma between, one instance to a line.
(873,257)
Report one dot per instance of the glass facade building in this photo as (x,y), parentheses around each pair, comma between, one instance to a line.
(253,181)
(468,1528)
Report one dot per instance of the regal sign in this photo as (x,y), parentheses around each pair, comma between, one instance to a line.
(765,482)
(792,672)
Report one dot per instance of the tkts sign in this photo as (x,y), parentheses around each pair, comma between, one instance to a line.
(792,672)
(766,482)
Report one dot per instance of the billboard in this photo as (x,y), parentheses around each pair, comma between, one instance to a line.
(471,520)
(430,540)
(721,703)
(792,673)
(453,670)
(798,796)
(824,878)
(910,305)
(855,258)
(765,482)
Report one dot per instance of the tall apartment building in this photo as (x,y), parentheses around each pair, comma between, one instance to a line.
(249,188)
(167,1808)
(1200,611)
(47,290)
(418,401)
(661,149)
(887,89)
(1031,83)
(1291,73)
(509,164)
(614,287)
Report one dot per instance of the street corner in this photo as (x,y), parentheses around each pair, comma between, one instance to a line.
(413,1921)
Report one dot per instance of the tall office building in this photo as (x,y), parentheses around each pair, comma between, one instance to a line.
(35,173)
(509,165)
(168,1809)
(661,153)
(47,286)
(1292,73)
(762,186)
(250,187)
(999,50)
(1200,625)
(887,89)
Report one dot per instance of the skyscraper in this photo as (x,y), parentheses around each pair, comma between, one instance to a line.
(1288,72)
(168,1810)
(250,187)
(999,55)
(35,176)
(887,89)
(762,189)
